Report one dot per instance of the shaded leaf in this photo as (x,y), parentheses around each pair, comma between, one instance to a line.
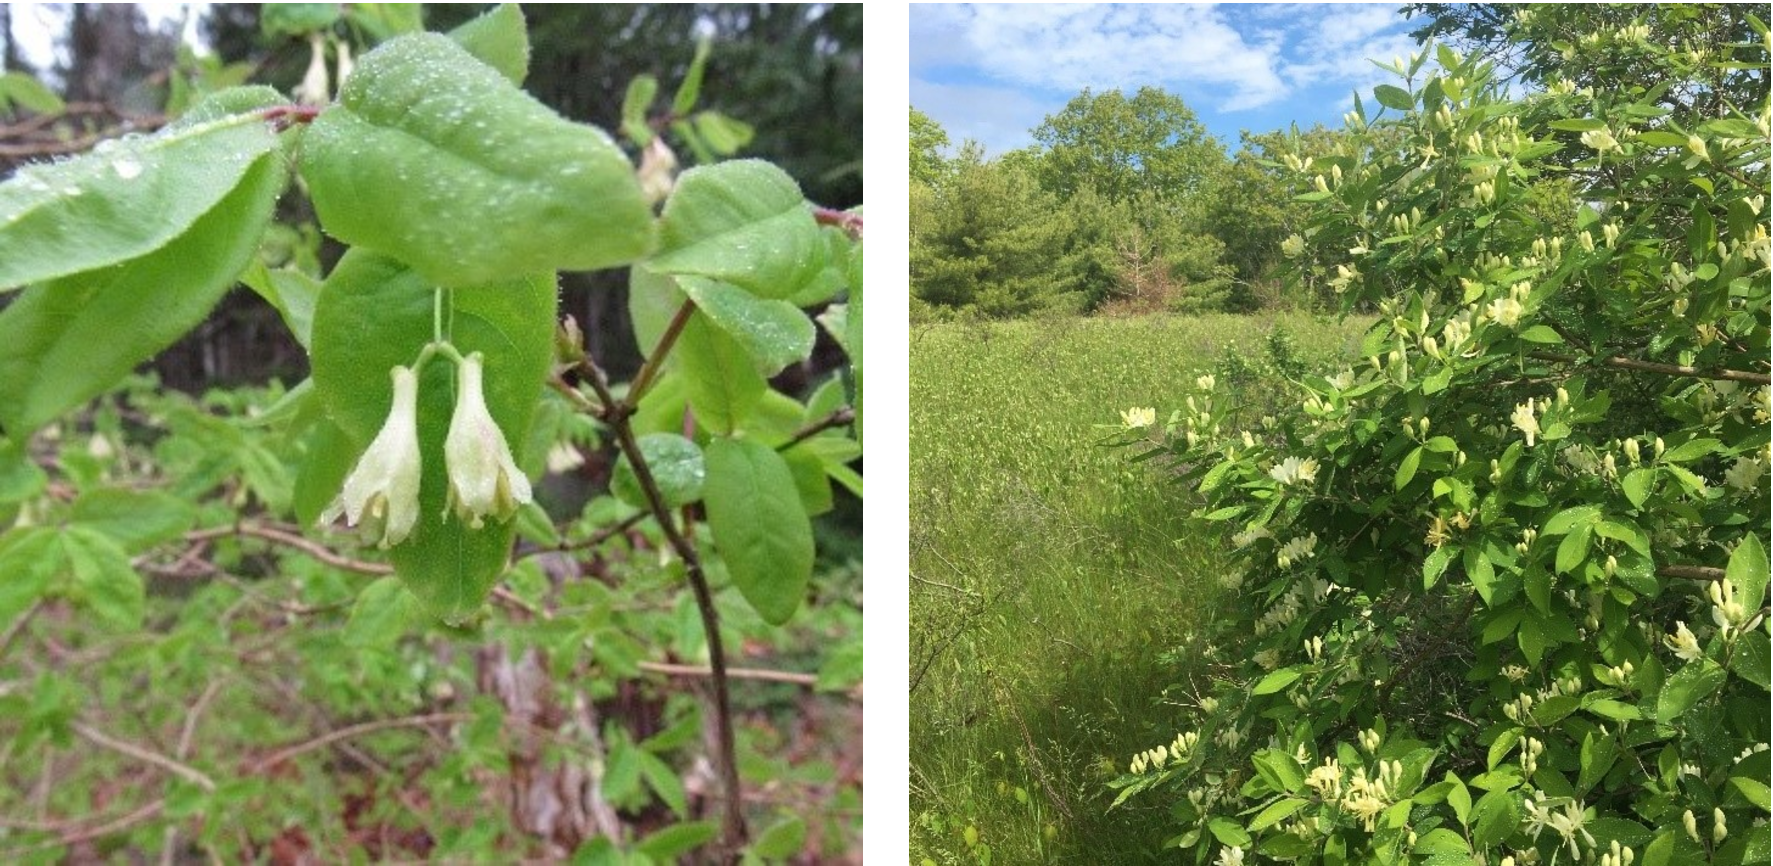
(436,159)
(132,196)
(103,578)
(66,341)
(500,39)
(677,469)
(759,527)
(743,222)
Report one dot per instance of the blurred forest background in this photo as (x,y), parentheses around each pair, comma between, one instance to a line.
(794,73)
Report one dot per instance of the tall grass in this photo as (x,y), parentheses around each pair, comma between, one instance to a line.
(1051,577)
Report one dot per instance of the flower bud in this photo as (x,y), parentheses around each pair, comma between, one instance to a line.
(1692,825)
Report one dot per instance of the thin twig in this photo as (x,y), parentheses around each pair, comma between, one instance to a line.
(1624,363)
(595,539)
(799,679)
(18,627)
(851,223)
(1690,572)
(346,733)
(839,417)
(616,415)
(960,589)
(649,370)
(183,771)
(87,834)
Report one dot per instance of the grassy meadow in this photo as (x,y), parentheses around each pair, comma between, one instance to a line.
(1052,579)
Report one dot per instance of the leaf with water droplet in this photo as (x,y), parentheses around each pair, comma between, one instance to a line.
(676,466)
(743,222)
(131,196)
(500,38)
(64,341)
(436,159)
(774,333)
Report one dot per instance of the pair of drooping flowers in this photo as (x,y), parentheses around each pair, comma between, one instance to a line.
(384,485)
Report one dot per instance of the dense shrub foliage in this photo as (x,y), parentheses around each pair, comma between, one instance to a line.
(1503,595)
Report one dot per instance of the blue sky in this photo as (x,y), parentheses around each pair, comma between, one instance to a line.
(992,72)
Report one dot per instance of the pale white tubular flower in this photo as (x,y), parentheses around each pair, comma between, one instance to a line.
(1684,645)
(1233,856)
(1292,469)
(1525,420)
(483,476)
(1206,383)
(345,63)
(1293,247)
(1326,780)
(1505,312)
(564,457)
(1138,418)
(315,88)
(658,170)
(1745,473)
(384,485)
(1600,139)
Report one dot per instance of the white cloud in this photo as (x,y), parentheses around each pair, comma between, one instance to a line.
(992,72)
(997,117)
(1070,47)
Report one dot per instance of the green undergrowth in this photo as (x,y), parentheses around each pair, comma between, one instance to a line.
(1051,578)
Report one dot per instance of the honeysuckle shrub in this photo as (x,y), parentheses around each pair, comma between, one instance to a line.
(436,346)
(1502,594)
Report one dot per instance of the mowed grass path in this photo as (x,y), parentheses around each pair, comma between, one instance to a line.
(1051,577)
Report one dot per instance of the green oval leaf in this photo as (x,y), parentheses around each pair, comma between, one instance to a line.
(743,222)
(27,92)
(135,519)
(1394,97)
(292,19)
(1276,681)
(1494,817)
(128,197)
(1406,469)
(1748,571)
(642,90)
(1688,686)
(761,531)
(499,39)
(1276,812)
(29,557)
(774,333)
(103,578)
(434,158)
(65,341)
(1542,334)
(782,840)
(722,383)
(677,468)
(373,314)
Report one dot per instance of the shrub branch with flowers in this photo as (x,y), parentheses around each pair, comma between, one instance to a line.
(1503,587)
